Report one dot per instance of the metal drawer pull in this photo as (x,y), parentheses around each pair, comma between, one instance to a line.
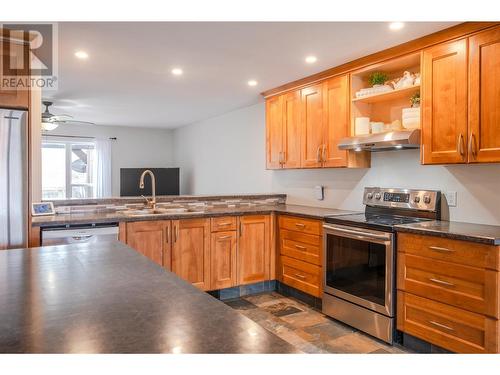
(441,249)
(225,237)
(300,276)
(440,325)
(437,281)
(300,247)
(300,225)
(82,238)
(224,224)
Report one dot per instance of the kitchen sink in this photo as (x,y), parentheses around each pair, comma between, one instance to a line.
(162,211)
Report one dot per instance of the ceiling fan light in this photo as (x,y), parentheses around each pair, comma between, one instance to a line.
(48,126)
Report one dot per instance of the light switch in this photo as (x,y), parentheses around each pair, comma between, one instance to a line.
(451,198)
(319,192)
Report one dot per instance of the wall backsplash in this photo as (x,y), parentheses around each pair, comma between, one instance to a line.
(226,154)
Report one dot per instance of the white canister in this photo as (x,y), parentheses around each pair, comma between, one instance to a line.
(362,125)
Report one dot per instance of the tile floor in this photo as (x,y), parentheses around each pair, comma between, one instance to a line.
(306,328)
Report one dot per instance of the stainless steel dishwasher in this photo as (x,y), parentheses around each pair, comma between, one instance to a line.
(77,234)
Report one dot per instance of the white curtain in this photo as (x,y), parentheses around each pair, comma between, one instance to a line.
(102,168)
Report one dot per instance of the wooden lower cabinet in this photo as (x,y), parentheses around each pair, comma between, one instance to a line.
(151,239)
(448,292)
(449,327)
(254,249)
(300,243)
(191,251)
(223,254)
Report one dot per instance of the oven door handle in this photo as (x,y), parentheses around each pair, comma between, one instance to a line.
(358,233)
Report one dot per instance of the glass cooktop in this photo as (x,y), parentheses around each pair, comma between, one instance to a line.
(385,222)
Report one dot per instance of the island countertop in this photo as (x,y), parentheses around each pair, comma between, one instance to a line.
(107,298)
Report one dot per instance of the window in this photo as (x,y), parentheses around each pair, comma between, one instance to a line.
(67,168)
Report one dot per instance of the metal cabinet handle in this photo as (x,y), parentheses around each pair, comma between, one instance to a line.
(300,276)
(318,155)
(223,224)
(440,325)
(442,282)
(224,237)
(300,225)
(168,234)
(323,154)
(473,145)
(176,233)
(441,249)
(300,247)
(241,229)
(460,145)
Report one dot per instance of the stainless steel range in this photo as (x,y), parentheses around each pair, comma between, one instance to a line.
(360,257)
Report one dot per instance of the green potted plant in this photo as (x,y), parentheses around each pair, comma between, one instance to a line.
(377,78)
(415,100)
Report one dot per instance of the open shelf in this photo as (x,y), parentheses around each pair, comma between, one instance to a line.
(406,92)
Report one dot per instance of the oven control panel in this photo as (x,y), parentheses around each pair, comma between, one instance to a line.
(426,200)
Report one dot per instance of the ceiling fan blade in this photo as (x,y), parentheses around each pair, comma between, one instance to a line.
(61,117)
(74,122)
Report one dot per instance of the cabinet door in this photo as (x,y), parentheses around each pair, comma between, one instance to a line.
(274,132)
(444,102)
(14,62)
(312,125)
(151,239)
(254,249)
(484,97)
(191,251)
(291,130)
(336,105)
(223,260)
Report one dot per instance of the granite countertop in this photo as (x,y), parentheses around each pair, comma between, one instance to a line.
(107,298)
(118,216)
(487,234)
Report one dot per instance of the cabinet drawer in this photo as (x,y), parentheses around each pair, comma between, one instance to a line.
(301,275)
(298,224)
(470,288)
(446,326)
(455,251)
(223,223)
(305,247)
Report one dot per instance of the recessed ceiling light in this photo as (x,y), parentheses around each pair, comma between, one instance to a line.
(82,55)
(177,71)
(311,59)
(252,82)
(396,25)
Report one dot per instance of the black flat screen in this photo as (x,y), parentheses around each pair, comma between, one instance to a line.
(167,181)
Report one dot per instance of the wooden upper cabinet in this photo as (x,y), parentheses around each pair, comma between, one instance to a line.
(484,97)
(291,130)
(254,249)
(223,260)
(444,103)
(16,56)
(151,239)
(336,119)
(274,132)
(191,251)
(312,120)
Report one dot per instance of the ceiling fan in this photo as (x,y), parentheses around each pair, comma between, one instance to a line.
(51,121)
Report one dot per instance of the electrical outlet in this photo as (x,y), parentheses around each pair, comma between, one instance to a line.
(451,198)
(319,192)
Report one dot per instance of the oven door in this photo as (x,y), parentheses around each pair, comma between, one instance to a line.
(359,266)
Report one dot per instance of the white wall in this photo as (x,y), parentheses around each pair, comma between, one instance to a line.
(133,148)
(226,154)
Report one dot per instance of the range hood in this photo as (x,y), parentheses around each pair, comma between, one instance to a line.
(395,140)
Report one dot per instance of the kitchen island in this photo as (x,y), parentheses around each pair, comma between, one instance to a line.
(107,298)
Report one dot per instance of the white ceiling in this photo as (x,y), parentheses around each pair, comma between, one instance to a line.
(127,81)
